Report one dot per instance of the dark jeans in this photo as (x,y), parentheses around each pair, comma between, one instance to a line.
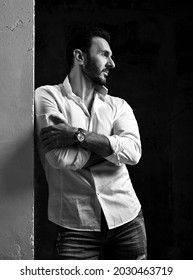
(126,242)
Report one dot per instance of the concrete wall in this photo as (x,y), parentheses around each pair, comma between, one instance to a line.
(16,129)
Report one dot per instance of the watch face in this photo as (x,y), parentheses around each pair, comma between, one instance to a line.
(80,137)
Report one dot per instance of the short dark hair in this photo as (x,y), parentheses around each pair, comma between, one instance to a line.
(81,38)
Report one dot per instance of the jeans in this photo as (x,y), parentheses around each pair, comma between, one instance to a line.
(126,242)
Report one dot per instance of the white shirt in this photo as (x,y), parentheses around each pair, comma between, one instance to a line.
(76,194)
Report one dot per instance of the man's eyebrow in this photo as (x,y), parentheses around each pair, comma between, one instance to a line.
(106,52)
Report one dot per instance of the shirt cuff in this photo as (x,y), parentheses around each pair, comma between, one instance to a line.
(81,159)
(117,147)
(68,158)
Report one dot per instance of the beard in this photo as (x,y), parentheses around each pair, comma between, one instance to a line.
(92,72)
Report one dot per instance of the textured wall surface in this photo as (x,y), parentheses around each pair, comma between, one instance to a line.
(153,51)
(16,129)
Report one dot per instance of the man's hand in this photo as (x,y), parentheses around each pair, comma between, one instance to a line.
(56,136)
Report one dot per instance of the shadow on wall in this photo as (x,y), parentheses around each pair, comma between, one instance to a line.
(16,204)
(17,165)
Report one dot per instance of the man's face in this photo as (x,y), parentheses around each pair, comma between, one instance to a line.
(98,62)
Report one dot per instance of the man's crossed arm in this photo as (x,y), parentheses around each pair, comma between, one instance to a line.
(61,135)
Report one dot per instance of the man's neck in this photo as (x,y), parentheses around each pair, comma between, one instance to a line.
(81,86)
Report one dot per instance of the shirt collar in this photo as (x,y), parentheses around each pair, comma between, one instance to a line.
(101,90)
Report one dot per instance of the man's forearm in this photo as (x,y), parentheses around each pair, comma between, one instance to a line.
(62,134)
(98,144)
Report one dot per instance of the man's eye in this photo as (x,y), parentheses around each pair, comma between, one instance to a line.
(105,54)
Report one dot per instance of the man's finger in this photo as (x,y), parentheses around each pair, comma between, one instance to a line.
(46,135)
(46,130)
(45,142)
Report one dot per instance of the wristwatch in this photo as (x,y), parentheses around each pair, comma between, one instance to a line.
(80,135)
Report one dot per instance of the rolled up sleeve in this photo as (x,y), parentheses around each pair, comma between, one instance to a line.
(125,141)
(68,158)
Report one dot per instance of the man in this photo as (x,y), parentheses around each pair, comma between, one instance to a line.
(87,138)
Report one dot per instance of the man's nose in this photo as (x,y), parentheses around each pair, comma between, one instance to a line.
(111,63)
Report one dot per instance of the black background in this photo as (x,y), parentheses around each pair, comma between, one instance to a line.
(152,43)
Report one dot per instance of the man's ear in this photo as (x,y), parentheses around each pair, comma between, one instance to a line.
(78,56)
